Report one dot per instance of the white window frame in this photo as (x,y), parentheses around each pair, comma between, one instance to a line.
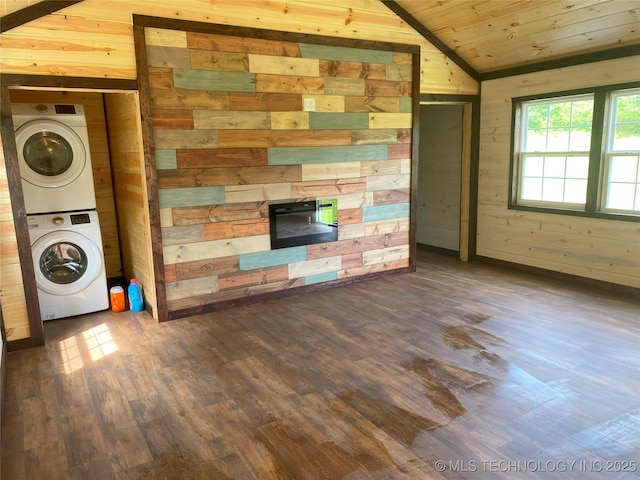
(609,153)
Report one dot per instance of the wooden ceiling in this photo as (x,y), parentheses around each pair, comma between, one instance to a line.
(501,35)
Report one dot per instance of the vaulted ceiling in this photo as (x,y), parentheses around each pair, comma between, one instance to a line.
(492,38)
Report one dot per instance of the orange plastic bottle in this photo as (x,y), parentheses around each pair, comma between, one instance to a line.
(117,298)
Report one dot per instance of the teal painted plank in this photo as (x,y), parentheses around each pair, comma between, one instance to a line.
(190,197)
(270,258)
(166,160)
(406,104)
(338,121)
(320,278)
(385,212)
(325,52)
(212,80)
(302,155)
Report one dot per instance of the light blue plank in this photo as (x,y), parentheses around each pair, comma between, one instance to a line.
(302,155)
(326,52)
(320,278)
(190,197)
(213,80)
(270,258)
(406,104)
(166,160)
(338,121)
(385,212)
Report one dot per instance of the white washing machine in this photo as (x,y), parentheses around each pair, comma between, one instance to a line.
(53,152)
(69,263)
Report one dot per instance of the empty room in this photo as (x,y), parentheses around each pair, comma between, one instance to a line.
(269,239)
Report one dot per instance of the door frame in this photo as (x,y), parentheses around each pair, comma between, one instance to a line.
(36,82)
(470,166)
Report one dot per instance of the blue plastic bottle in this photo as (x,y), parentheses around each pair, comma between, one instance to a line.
(135,296)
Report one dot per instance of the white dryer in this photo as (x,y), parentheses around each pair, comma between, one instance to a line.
(69,263)
(53,152)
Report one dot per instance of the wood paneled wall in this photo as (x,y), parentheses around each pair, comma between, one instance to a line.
(93,38)
(127,161)
(606,250)
(243,122)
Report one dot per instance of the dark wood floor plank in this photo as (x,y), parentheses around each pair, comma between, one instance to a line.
(462,363)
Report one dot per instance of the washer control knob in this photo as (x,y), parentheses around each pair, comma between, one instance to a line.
(57,221)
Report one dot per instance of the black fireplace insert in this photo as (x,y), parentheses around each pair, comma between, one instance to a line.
(303,223)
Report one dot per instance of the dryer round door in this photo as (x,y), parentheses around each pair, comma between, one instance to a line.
(65,262)
(50,153)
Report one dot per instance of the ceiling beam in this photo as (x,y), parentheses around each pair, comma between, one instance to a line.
(33,12)
(610,54)
(431,38)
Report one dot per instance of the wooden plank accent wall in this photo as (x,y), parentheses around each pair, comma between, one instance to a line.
(125,145)
(220,165)
(100,163)
(600,249)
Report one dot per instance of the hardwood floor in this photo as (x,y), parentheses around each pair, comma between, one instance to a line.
(456,371)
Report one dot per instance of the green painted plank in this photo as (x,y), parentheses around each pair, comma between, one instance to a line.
(406,104)
(302,155)
(271,258)
(385,212)
(213,80)
(320,278)
(190,197)
(166,159)
(338,121)
(348,54)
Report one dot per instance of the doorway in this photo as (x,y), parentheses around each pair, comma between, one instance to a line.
(440,176)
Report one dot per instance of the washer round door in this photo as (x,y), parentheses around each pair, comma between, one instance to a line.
(50,153)
(65,262)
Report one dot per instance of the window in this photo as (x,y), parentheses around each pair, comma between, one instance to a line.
(578,153)
(622,154)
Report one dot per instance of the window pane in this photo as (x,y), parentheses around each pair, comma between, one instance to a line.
(623,169)
(575,191)
(577,167)
(621,196)
(552,190)
(536,116)
(536,141)
(580,140)
(626,132)
(531,189)
(558,140)
(554,167)
(560,114)
(533,166)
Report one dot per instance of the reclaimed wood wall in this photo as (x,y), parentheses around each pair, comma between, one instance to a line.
(127,162)
(94,39)
(243,122)
(607,250)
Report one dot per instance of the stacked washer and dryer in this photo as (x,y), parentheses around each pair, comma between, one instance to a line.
(57,182)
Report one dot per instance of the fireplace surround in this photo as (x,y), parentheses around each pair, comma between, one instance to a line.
(303,223)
